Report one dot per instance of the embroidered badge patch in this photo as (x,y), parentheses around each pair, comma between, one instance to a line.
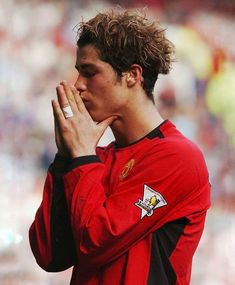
(151,201)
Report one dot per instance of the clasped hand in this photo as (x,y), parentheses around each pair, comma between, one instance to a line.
(77,135)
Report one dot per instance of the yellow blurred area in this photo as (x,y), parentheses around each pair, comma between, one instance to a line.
(220,97)
(191,47)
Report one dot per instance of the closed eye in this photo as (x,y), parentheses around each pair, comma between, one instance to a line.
(86,70)
(87,74)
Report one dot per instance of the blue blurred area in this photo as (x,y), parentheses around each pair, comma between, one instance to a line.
(37,51)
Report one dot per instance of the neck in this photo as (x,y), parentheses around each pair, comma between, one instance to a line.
(136,122)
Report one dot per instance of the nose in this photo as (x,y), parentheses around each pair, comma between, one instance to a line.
(80,83)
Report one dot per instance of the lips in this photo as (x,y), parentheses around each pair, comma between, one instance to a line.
(86,103)
(84,100)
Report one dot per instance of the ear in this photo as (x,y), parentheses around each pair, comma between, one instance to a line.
(134,75)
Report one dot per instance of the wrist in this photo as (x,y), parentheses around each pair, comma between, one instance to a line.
(81,153)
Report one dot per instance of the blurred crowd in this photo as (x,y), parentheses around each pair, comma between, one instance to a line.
(37,51)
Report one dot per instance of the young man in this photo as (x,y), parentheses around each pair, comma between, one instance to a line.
(134,211)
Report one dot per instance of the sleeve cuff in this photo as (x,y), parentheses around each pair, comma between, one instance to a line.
(82,160)
(59,165)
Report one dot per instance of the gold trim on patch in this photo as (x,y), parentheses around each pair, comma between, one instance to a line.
(127,168)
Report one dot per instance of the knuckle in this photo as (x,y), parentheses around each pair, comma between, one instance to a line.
(65,128)
(74,123)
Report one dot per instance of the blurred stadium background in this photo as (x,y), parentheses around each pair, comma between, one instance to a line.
(37,51)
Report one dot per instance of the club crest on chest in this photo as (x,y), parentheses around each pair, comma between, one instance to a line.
(126,169)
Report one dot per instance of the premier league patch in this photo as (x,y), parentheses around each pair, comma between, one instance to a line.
(151,201)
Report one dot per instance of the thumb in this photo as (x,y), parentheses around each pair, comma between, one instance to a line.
(105,123)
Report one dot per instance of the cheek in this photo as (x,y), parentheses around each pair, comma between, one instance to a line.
(107,95)
(101,91)
(102,82)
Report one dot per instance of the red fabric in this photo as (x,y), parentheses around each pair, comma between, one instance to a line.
(113,242)
(40,229)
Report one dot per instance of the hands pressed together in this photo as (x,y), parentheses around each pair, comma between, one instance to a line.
(76,134)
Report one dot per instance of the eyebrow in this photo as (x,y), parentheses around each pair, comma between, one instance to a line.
(84,66)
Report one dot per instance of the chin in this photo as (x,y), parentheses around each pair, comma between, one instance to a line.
(97,117)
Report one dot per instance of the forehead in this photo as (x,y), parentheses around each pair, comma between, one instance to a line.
(88,54)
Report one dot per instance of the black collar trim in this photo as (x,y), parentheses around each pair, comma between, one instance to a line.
(155,133)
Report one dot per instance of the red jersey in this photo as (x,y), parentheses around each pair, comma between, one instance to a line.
(128,215)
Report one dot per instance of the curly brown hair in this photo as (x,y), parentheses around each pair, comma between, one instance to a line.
(125,37)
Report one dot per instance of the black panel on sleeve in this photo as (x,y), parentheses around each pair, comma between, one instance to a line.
(62,243)
(59,165)
(164,241)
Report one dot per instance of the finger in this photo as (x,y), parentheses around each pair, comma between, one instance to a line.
(70,96)
(62,98)
(80,105)
(68,91)
(62,151)
(56,126)
(58,114)
(56,130)
(105,123)
(65,105)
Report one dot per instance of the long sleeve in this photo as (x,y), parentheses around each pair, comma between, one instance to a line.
(50,234)
(125,214)
(158,191)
